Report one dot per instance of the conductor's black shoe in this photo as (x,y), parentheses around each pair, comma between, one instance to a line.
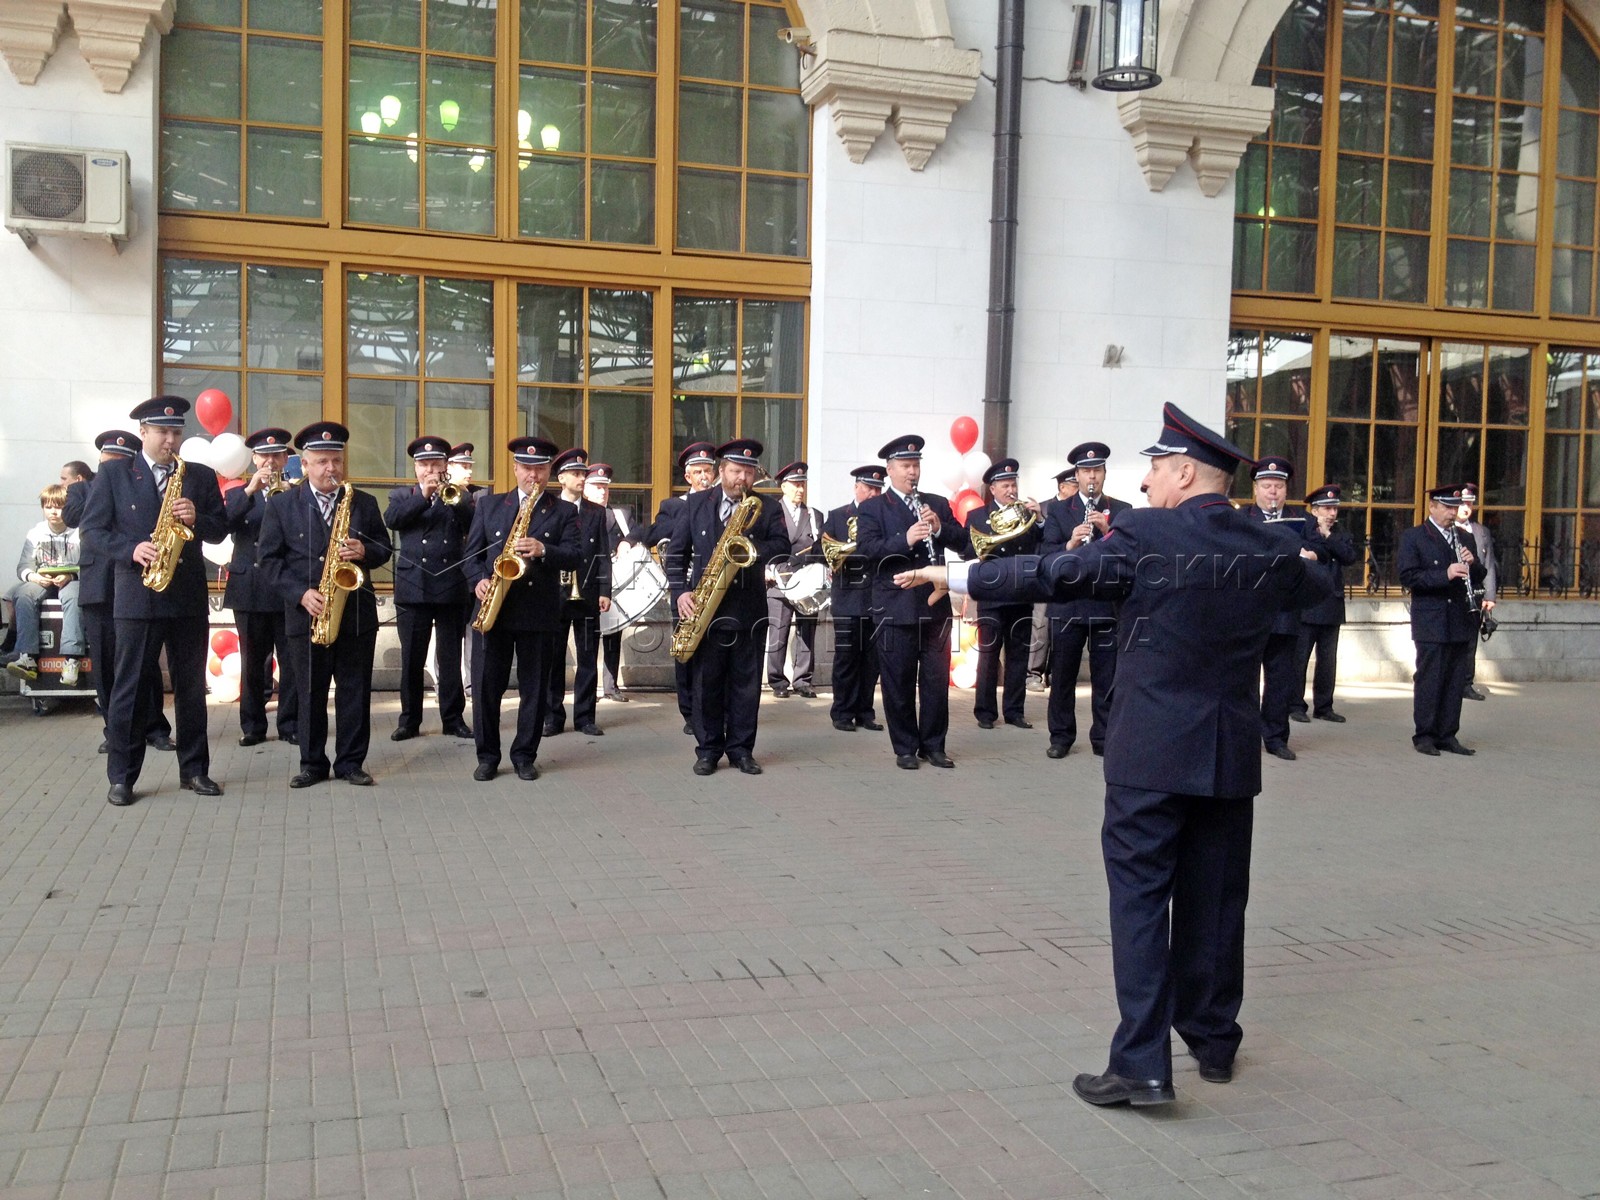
(845,726)
(591,730)
(551,729)
(308,779)
(460,729)
(527,771)
(1019,723)
(251,739)
(1114,1089)
(1058,750)
(1330,715)
(200,785)
(906,762)
(357,778)
(688,728)
(806,690)
(1423,746)
(1451,746)
(160,741)
(1471,692)
(105,747)
(747,764)
(1216,1074)
(985,723)
(705,766)
(1300,715)
(936,758)
(485,771)
(1282,752)
(869,723)
(120,795)
(403,735)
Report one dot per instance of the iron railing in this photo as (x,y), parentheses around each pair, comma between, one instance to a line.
(1532,570)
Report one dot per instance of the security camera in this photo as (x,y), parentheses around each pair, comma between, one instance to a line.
(795,34)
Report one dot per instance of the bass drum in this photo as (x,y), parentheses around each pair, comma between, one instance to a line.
(805,589)
(637,586)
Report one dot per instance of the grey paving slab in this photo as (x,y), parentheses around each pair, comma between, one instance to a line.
(838,981)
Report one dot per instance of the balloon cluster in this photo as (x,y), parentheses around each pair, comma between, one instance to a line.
(964,654)
(224,453)
(224,666)
(958,470)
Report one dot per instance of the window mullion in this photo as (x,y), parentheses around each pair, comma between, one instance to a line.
(1444,116)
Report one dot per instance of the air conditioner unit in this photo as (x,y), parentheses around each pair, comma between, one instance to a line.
(66,189)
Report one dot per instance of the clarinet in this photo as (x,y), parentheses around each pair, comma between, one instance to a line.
(1091,505)
(919,509)
(1463,532)
(1274,514)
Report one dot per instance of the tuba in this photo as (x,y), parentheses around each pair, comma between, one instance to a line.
(339,578)
(1010,521)
(170,535)
(834,552)
(507,568)
(733,552)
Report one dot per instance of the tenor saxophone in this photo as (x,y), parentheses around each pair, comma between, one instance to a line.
(339,578)
(732,553)
(170,535)
(507,569)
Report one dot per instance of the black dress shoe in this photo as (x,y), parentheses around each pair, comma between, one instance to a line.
(845,726)
(780,691)
(1058,750)
(1099,751)
(688,728)
(1451,746)
(527,771)
(251,739)
(1282,752)
(1473,693)
(617,696)
(806,690)
(591,730)
(485,771)
(906,762)
(200,785)
(551,729)
(357,778)
(1425,747)
(1330,715)
(936,758)
(705,766)
(105,747)
(120,794)
(1114,1089)
(985,723)
(403,735)
(1019,723)
(291,739)
(1303,717)
(869,723)
(747,764)
(160,741)
(460,729)
(1216,1074)
(308,779)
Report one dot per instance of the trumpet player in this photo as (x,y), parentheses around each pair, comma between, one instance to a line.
(431,518)
(585,595)
(1003,629)
(525,537)
(257,608)
(855,658)
(298,534)
(126,508)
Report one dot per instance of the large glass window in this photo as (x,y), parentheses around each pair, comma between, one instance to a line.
(1569,536)
(738,371)
(1269,396)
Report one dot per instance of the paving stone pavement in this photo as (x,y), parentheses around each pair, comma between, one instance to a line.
(838,980)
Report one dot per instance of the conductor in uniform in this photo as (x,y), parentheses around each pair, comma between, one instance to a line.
(1202,583)
(1003,629)
(257,608)
(122,513)
(698,462)
(855,654)
(430,592)
(297,537)
(530,613)
(1090,621)
(1271,476)
(725,668)
(580,616)
(903,529)
(1439,564)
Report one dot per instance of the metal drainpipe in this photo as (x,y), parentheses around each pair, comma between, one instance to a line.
(1003,229)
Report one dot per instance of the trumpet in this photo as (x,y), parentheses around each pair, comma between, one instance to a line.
(451,494)
(276,483)
(570,578)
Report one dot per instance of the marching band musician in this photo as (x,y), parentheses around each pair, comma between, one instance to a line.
(1003,628)
(430,592)
(1481,534)
(803,524)
(1319,624)
(459,469)
(581,616)
(901,530)
(725,669)
(257,607)
(529,616)
(1086,621)
(296,539)
(619,533)
(125,508)
(698,462)
(1272,476)
(855,657)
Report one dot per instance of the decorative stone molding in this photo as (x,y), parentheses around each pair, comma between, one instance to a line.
(29,30)
(1206,121)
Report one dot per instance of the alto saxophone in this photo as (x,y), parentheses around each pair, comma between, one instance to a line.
(732,553)
(170,535)
(339,578)
(507,569)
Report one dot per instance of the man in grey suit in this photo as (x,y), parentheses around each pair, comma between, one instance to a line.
(803,524)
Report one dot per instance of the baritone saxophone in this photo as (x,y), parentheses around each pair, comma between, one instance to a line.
(732,553)
(170,535)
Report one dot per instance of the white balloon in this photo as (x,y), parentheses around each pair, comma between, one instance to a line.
(964,674)
(225,688)
(218,554)
(973,464)
(196,450)
(229,455)
(232,665)
(941,469)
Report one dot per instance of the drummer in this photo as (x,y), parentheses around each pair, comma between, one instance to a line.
(804,526)
(623,537)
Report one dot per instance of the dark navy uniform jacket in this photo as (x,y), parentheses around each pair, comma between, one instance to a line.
(1200,587)
(667,516)
(294,545)
(1439,609)
(695,536)
(851,589)
(1065,516)
(532,603)
(1291,526)
(883,522)
(247,590)
(121,513)
(95,582)
(1334,553)
(433,538)
(595,578)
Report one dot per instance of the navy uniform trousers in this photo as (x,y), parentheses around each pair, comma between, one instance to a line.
(1279,686)
(855,668)
(100,631)
(137,688)
(492,653)
(446,625)
(347,665)
(582,619)
(1443,671)
(725,686)
(1003,629)
(1323,640)
(914,661)
(1068,638)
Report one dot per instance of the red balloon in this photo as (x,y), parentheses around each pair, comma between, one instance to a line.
(227,485)
(213,410)
(964,502)
(223,643)
(964,434)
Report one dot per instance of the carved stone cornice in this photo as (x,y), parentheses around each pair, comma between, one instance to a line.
(1206,121)
(29,30)
(111,34)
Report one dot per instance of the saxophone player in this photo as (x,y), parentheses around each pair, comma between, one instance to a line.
(297,536)
(126,508)
(725,669)
(525,538)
